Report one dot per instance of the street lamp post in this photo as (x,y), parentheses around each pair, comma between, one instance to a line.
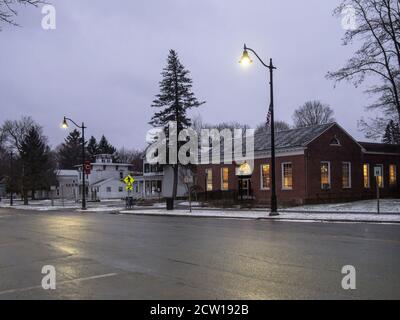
(64,125)
(10,179)
(246,60)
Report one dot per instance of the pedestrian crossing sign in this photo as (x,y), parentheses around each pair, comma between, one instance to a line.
(129,180)
(129,187)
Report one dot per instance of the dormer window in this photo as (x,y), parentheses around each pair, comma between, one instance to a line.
(335,142)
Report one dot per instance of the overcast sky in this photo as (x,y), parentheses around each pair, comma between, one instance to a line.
(102,64)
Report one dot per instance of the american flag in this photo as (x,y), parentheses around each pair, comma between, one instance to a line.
(268,120)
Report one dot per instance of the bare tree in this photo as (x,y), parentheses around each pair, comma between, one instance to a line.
(279,125)
(8,9)
(378,28)
(14,131)
(312,113)
(131,156)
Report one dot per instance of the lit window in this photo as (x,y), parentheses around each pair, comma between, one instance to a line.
(325,175)
(265,176)
(392,175)
(209,181)
(346,175)
(379,178)
(225,178)
(287,176)
(366,175)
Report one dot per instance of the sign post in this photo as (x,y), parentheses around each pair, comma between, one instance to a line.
(128,186)
(188,180)
(52,189)
(377,174)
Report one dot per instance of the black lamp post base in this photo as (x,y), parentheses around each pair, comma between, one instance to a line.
(273,214)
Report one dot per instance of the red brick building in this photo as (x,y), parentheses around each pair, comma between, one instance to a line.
(314,164)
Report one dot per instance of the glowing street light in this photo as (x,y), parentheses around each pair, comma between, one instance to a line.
(65,125)
(245,61)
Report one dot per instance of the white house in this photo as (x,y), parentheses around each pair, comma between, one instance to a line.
(105,179)
(157,182)
(68,184)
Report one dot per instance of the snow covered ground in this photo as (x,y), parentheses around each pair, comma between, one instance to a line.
(45,205)
(41,205)
(252,214)
(365,206)
(346,212)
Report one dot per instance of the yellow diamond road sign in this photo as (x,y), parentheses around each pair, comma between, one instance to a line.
(129,187)
(129,180)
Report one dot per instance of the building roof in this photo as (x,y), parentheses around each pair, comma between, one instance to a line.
(103,181)
(64,172)
(292,138)
(380,147)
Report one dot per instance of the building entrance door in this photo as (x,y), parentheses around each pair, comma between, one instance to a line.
(245,188)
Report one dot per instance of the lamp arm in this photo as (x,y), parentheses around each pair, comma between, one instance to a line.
(262,62)
(78,126)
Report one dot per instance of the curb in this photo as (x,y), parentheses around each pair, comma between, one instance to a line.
(262,218)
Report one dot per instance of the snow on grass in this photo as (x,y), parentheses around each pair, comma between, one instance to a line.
(295,216)
(364,206)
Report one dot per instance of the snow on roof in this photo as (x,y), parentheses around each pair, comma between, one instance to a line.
(65,172)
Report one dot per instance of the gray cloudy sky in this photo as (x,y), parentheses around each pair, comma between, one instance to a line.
(102,64)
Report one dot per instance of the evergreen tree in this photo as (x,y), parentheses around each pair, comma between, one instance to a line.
(92,148)
(392,133)
(104,147)
(175,98)
(70,153)
(38,169)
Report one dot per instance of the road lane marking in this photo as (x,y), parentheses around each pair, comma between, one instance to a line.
(106,275)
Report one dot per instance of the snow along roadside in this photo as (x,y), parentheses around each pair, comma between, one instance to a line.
(298,216)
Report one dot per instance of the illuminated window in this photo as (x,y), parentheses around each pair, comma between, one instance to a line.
(265,176)
(346,175)
(392,175)
(209,181)
(225,179)
(325,175)
(287,176)
(366,175)
(379,178)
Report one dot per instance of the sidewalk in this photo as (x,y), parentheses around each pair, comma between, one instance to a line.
(264,215)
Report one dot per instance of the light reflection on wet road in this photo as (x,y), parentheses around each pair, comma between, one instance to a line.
(105,256)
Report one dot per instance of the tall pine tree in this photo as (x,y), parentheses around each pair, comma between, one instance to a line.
(92,148)
(392,133)
(104,147)
(174,100)
(38,169)
(70,152)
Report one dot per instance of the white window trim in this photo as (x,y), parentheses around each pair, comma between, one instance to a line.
(329,174)
(395,175)
(369,176)
(222,178)
(283,176)
(261,176)
(383,175)
(349,163)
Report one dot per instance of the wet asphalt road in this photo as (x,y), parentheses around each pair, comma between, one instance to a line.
(106,256)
